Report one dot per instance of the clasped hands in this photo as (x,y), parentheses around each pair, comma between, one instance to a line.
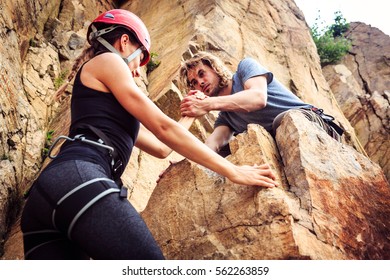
(192,105)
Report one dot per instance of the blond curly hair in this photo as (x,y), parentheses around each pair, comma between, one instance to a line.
(207,59)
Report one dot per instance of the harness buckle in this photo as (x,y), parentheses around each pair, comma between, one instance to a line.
(123,192)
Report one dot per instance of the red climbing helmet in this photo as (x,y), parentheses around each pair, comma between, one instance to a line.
(130,21)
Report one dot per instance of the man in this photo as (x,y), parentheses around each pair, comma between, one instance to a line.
(251,95)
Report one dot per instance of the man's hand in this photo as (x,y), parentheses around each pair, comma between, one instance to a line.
(192,105)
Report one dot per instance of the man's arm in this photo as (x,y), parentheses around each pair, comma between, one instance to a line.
(253,97)
(219,138)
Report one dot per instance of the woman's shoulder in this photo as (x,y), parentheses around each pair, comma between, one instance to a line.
(106,57)
(106,64)
(97,72)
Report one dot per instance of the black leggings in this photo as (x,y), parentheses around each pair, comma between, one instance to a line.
(75,212)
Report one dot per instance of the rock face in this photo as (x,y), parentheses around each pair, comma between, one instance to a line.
(361,85)
(343,194)
(41,41)
(323,211)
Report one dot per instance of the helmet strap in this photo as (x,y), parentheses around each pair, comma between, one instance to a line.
(132,56)
(97,35)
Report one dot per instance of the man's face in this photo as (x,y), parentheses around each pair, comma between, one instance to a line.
(204,78)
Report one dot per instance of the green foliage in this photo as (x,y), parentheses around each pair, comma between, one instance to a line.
(49,136)
(331,45)
(340,25)
(153,63)
(331,49)
(59,81)
(48,142)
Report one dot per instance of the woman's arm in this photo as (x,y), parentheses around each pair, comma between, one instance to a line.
(147,142)
(118,79)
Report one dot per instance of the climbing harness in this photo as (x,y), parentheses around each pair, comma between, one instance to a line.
(102,142)
(71,206)
(82,138)
(89,197)
(67,211)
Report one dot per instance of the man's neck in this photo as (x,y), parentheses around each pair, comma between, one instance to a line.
(226,90)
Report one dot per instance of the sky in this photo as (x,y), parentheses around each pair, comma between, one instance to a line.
(371,12)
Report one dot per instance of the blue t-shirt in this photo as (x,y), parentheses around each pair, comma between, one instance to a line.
(279,99)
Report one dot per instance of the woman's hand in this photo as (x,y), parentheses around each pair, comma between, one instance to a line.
(197,93)
(257,175)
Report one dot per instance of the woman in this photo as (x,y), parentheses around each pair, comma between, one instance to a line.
(77,208)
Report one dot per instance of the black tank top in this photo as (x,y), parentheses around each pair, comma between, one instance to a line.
(103,111)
